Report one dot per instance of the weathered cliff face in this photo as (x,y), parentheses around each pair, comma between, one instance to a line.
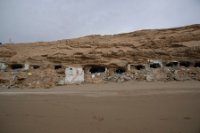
(152,55)
(135,47)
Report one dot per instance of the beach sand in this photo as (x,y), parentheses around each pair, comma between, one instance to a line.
(130,107)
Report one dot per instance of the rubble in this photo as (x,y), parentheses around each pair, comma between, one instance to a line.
(46,77)
(29,79)
(119,77)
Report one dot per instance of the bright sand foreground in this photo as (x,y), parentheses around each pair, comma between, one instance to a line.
(131,107)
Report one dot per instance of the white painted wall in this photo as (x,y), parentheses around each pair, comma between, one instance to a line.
(26,66)
(74,75)
(3,66)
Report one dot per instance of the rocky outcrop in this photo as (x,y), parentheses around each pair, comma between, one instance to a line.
(135,47)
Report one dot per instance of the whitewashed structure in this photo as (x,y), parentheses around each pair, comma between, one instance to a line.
(26,67)
(3,66)
(74,75)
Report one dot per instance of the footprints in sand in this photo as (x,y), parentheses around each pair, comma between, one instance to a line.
(185,118)
(98,118)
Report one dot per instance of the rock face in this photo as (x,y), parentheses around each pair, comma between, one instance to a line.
(135,47)
(175,44)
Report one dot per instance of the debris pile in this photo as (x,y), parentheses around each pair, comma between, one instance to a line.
(29,79)
(120,77)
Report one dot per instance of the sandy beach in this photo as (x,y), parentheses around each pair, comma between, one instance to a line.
(130,107)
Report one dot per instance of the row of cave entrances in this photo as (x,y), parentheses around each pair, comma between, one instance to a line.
(183,64)
(100,69)
(96,69)
(93,68)
(21,66)
(120,70)
(141,67)
(170,64)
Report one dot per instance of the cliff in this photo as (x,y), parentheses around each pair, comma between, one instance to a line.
(134,47)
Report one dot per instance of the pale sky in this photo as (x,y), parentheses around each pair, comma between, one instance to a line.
(47,20)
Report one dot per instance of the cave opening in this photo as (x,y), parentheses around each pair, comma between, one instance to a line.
(172,64)
(97,69)
(197,64)
(16,66)
(155,65)
(120,70)
(185,63)
(57,67)
(36,66)
(139,67)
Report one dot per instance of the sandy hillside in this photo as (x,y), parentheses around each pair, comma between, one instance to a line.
(133,47)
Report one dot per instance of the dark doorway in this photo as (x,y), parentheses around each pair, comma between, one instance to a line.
(185,63)
(16,66)
(97,69)
(120,70)
(197,64)
(36,66)
(57,67)
(139,67)
(155,65)
(172,64)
